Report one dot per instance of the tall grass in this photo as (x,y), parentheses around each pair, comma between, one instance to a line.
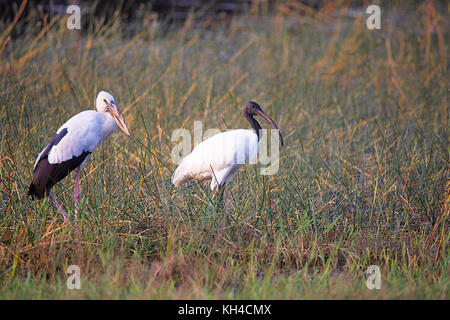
(363,175)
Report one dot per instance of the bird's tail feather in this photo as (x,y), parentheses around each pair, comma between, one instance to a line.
(34,193)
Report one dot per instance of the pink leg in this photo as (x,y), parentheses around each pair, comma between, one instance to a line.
(76,191)
(66,218)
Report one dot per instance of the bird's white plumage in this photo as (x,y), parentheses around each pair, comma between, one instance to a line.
(218,157)
(100,104)
(85,131)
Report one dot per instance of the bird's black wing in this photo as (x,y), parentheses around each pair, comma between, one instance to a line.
(46,174)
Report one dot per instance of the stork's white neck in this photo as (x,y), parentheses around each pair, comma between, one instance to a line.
(108,124)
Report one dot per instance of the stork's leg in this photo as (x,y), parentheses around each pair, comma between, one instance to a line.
(76,191)
(66,218)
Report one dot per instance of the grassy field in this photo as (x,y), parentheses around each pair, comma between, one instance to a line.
(363,179)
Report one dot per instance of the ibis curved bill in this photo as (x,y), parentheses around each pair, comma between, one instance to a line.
(220,157)
(72,144)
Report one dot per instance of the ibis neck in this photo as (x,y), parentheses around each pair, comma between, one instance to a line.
(255,124)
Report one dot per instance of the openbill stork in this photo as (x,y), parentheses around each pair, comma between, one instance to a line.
(220,157)
(70,147)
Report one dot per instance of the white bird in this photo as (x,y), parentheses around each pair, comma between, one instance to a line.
(219,157)
(72,144)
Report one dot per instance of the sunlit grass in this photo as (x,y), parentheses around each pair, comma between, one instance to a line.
(363,175)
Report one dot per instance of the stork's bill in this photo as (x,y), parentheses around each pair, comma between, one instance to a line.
(117,116)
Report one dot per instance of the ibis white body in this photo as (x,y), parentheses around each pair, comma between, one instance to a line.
(218,158)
